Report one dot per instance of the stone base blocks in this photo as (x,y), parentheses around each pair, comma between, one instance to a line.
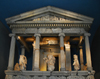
(49,75)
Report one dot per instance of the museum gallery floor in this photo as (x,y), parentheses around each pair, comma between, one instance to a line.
(52,33)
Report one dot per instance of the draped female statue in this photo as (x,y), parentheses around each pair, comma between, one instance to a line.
(50,60)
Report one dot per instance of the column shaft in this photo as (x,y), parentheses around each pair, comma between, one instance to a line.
(88,54)
(23,51)
(33,55)
(37,53)
(62,53)
(68,57)
(81,59)
(12,52)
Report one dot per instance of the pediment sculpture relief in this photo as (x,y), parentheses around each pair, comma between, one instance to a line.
(50,18)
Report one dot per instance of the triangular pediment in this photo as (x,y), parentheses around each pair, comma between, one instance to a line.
(49,15)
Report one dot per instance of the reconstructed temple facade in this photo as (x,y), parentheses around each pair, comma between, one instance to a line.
(51,32)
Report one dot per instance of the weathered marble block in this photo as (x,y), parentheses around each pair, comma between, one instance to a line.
(9,77)
(75,77)
(73,30)
(52,77)
(22,77)
(83,73)
(90,77)
(24,30)
(41,30)
(18,30)
(56,30)
(62,77)
(43,77)
(31,30)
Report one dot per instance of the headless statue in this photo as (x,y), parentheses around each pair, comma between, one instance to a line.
(22,62)
(50,60)
(76,63)
(16,68)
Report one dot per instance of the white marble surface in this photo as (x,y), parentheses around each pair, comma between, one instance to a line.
(50,60)
(88,53)
(12,52)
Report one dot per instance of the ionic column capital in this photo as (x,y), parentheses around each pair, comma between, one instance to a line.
(11,34)
(37,35)
(61,34)
(87,34)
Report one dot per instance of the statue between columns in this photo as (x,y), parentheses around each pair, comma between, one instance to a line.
(22,62)
(76,63)
(50,60)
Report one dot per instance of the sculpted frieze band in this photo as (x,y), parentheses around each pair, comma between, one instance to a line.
(48,30)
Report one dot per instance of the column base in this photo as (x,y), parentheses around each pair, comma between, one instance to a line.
(82,66)
(9,68)
(67,70)
(62,69)
(35,69)
(89,68)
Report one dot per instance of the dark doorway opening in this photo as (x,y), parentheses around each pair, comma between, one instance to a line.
(56,64)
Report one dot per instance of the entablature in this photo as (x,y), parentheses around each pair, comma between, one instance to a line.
(49,17)
(49,31)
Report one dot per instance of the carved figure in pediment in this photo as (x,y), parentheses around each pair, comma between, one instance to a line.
(76,63)
(16,68)
(51,18)
(22,62)
(50,60)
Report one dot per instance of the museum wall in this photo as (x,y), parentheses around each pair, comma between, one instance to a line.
(95,53)
(4,49)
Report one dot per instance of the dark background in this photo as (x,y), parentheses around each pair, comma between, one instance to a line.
(9,8)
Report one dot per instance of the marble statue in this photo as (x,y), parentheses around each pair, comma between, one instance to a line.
(16,68)
(50,60)
(22,62)
(76,63)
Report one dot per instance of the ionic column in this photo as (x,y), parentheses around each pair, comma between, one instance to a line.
(88,54)
(81,58)
(12,52)
(62,53)
(23,50)
(37,53)
(33,55)
(68,57)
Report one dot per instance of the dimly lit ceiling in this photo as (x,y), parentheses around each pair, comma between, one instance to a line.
(91,8)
